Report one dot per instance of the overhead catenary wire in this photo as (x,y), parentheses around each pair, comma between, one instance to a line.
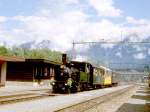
(112,42)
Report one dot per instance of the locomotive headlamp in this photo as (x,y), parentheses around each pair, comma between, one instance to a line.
(66,84)
(53,83)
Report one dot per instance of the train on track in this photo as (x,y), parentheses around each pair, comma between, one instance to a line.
(78,76)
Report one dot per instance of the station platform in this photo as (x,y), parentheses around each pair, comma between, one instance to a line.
(139,102)
(15,89)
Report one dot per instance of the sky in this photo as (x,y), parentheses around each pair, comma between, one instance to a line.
(64,21)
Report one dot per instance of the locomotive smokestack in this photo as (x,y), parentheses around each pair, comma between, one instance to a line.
(64,59)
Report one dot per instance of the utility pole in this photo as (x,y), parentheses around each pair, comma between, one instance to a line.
(73,50)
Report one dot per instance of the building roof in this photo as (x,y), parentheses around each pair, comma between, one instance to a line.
(11,59)
(43,61)
(18,59)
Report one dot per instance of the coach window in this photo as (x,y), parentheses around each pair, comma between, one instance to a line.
(45,71)
(52,72)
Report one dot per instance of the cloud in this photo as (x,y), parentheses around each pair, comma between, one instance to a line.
(137,32)
(61,22)
(72,1)
(134,21)
(61,31)
(105,8)
(72,25)
(104,29)
(3,19)
(66,27)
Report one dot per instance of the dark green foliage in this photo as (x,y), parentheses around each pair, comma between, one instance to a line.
(3,51)
(31,53)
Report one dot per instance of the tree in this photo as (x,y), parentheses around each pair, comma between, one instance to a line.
(3,51)
(44,53)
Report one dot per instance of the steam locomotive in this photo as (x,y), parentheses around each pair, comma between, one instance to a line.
(78,76)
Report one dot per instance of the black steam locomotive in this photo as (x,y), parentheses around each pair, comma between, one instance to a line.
(78,76)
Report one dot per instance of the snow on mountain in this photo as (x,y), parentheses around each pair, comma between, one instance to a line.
(122,55)
(44,44)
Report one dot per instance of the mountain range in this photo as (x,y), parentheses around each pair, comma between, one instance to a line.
(122,55)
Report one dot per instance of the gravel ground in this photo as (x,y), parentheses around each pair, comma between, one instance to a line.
(135,100)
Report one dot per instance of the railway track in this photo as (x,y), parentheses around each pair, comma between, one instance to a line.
(92,103)
(49,102)
(20,97)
